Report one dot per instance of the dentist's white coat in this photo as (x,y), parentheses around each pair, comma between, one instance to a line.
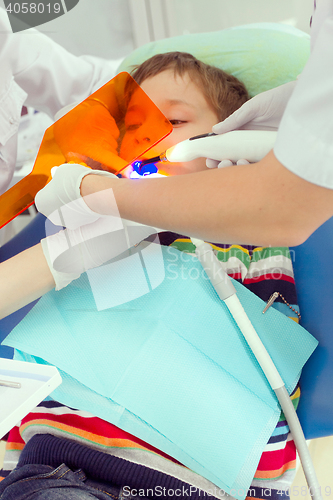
(37,72)
(305,138)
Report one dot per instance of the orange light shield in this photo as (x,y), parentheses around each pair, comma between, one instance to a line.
(107,131)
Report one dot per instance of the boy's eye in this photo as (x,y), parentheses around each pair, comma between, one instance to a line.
(174,123)
(133,126)
(134,118)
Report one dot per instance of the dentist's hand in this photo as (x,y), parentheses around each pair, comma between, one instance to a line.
(60,200)
(90,239)
(262,112)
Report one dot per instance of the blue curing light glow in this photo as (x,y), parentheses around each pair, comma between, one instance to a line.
(148,169)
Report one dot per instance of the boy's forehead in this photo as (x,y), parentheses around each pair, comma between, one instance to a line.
(173,88)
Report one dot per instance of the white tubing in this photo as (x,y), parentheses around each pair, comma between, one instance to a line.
(215,272)
(274,378)
(252,338)
(300,442)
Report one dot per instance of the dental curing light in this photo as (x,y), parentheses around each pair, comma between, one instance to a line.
(251,145)
(227,292)
(139,171)
(143,168)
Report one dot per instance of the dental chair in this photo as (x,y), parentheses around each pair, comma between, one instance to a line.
(313,268)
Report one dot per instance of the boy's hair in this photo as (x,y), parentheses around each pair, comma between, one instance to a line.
(224,92)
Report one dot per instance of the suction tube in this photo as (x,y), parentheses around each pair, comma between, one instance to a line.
(227,292)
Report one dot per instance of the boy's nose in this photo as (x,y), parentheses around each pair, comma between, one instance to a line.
(139,138)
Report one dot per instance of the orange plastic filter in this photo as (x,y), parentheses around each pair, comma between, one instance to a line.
(104,132)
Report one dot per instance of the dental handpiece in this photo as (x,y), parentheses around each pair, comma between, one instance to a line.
(251,145)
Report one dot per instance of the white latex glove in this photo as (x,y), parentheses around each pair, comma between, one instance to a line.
(69,253)
(224,163)
(262,112)
(61,201)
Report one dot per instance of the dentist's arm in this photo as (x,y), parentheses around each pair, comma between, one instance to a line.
(262,203)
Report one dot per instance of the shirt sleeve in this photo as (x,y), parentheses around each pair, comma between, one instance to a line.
(304,143)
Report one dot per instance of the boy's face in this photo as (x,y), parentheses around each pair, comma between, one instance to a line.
(184,105)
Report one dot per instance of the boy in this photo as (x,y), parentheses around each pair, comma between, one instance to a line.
(193,96)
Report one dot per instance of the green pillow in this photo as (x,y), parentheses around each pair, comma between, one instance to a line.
(262,55)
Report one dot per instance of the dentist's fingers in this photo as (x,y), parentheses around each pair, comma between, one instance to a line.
(225,163)
(211,163)
(218,164)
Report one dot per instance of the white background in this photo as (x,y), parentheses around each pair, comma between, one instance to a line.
(112,28)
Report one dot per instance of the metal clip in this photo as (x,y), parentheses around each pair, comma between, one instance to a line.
(270,301)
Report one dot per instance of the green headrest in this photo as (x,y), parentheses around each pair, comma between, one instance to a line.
(262,55)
